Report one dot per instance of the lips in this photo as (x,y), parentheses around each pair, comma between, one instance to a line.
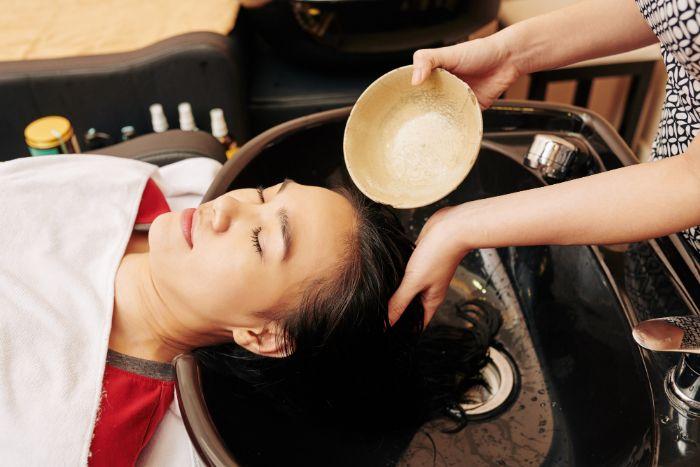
(186,222)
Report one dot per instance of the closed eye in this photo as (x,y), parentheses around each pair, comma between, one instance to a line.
(260,194)
(255,238)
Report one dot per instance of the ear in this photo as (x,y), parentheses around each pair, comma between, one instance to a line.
(266,341)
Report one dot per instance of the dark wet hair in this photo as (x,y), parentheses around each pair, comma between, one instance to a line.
(347,364)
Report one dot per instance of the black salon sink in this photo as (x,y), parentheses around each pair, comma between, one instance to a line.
(582,392)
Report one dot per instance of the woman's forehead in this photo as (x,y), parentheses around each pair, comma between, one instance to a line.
(316,206)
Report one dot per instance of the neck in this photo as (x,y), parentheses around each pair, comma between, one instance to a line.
(142,325)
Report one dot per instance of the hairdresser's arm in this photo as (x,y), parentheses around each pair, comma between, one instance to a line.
(624,205)
(584,30)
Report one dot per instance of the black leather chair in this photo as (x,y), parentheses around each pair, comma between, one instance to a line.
(110,91)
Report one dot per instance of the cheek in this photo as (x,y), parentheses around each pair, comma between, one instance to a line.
(220,255)
(238,284)
(221,277)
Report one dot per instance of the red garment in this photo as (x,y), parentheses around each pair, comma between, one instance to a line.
(132,405)
(153,204)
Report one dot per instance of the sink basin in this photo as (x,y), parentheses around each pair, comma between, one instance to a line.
(584,393)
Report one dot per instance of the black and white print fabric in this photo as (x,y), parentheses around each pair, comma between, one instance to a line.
(677,25)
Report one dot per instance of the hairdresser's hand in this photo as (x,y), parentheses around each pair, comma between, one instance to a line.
(484,64)
(432,265)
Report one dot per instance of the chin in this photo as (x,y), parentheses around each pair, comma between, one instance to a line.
(165,233)
(167,248)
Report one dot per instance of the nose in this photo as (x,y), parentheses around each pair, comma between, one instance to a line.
(225,209)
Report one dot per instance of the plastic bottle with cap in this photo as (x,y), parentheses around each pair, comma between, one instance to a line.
(158,120)
(184,110)
(220,131)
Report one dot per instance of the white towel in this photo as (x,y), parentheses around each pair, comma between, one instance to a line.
(64,225)
(184,183)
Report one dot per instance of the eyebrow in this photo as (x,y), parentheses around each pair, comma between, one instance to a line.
(286,233)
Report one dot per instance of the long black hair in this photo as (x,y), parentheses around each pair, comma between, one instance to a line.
(347,366)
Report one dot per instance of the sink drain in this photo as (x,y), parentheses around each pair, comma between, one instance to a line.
(500,381)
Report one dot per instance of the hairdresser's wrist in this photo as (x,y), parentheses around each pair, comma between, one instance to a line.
(454,230)
(526,48)
(466,230)
(510,41)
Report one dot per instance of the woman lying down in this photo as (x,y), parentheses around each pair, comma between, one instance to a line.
(288,280)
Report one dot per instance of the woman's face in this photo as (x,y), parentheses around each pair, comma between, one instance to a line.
(252,252)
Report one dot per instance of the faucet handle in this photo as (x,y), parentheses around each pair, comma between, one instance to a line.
(670,334)
(556,158)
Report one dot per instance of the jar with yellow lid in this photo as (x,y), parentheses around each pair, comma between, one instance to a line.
(51,135)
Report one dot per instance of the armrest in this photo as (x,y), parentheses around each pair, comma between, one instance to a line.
(167,147)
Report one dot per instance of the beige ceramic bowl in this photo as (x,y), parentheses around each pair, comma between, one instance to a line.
(409,146)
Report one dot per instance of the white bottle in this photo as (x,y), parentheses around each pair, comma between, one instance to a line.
(186,118)
(158,120)
(218,125)
(219,130)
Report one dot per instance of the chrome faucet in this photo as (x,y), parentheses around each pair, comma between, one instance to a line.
(556,158)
